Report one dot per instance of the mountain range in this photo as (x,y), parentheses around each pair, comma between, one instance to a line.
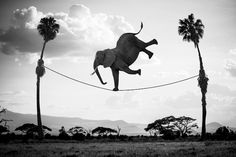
(55,123)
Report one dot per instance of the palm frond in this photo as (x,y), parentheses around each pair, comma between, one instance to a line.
(182,23)
(187,38)
(190,29)
(198,23)
(191,18)
(48,28)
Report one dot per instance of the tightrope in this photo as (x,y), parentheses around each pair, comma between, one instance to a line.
(131,89)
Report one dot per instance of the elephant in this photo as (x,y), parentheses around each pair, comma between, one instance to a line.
(122,56)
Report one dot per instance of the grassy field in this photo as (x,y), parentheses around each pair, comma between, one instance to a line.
(114,149)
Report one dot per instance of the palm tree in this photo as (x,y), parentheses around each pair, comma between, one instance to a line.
(48,29)
(192,30)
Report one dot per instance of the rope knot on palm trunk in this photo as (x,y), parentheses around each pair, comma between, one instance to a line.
(203,81)
(40,70)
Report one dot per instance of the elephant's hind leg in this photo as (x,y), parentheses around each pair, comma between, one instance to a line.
(142,45)
(149,53)
(152,42)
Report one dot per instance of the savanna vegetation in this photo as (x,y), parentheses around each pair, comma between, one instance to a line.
(117,149)
(169,136)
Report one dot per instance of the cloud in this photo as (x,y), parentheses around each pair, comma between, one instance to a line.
(13,93)
(143,59)
(220,103)
(232,52)
(79,11)
(27,18)
(81,32)
(15,98)
(230,66)
(20,40)
(125,101)
(230,63)
(188,100)
(221,90)
(217,94)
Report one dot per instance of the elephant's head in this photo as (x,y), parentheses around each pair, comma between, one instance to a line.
(105,58)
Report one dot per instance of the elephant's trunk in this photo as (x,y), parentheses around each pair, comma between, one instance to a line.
(95,67)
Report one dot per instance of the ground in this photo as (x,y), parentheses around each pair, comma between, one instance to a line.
(115,149)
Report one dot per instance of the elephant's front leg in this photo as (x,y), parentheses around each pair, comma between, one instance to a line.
(129,71)
(115,74)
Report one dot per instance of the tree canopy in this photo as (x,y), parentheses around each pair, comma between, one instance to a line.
(190,29)
(48,28)
(103,131)
(77,130)
(183,125)
(28,128)
(3,127)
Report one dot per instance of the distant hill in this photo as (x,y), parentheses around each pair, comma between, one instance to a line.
(213,126)
(55,123)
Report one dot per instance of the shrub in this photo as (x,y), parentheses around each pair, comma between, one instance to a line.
(78,136)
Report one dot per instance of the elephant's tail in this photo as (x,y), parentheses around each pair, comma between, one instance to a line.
(141,27)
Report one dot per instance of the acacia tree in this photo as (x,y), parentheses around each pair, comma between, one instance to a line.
(192,31)
(3,127)
(184,125)
(161,126)
(103,131)
(171,126)
(48,29)
(30,128)
(78,133)
(154,128)
(77,130)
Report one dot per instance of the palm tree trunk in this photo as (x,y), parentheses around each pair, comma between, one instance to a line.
(202,81)
(41,56)
(40,129)
(200,58)
(204,112)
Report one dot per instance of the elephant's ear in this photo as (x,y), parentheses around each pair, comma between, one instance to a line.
(109,58)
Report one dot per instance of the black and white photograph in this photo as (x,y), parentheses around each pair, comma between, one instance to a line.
(114,78)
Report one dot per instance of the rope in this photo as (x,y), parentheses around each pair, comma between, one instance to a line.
(77,80)
(162,85)
(131,89)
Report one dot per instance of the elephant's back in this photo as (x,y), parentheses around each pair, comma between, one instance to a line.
(126,39)
(128,49)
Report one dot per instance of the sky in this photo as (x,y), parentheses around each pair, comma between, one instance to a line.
(87,26)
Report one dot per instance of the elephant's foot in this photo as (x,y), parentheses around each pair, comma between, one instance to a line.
(150,55)
(155,41)
(152,42)
(115,89)
(139,71)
